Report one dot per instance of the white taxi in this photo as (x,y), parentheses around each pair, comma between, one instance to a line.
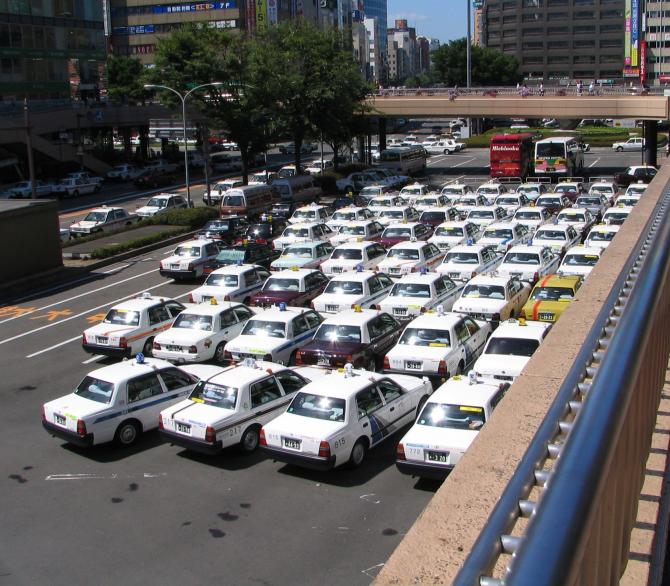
(601,235)
(274,334)
(413,191)
(447,425)
(462,263)
(485,215)
(310,213)
(358,231)
(580,260)
(188,260)
(450,234)
(384,202)
(430,201)
(200,332)
(161,204)
(509,349)
(466,202)
(397,215)
(409,257)
(119,402)
(438,345)
(306,255)
(615,216)
(532,217)
(636,189)
(102,219)
(529,263)
(231,283)
(532,190)
(607,188)
(296,233)
(344,216)
(492,298)
(455,189)
(230,407)
(504,235)
(354,255)
(130,326)
(364,288)
(491,190)
(337,418)
(416,293)
(511,202)
(581,219)
(628,200)
(558,237)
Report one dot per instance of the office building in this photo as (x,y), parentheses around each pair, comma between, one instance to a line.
(402,51)
(559,40)
(378,10)
(654,44)
(51,49)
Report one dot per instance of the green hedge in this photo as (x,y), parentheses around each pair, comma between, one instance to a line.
(192,217)
(114,249)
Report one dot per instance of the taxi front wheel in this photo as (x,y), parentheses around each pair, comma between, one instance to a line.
(127,433)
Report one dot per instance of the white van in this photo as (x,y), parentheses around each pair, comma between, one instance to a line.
(297,189)
(248,200)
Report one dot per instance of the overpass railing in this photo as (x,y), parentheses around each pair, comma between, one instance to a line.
(586,463)
(549,91)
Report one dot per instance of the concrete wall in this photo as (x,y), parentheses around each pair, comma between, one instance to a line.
(438,543)
(29,238)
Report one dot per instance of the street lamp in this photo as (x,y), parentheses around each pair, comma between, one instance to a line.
(182,97)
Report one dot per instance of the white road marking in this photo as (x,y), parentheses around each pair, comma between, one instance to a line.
(79,336)
(80,295)
(92,359)
(594,163)
(93,476)
(373,571)
(463,163)
(366,497)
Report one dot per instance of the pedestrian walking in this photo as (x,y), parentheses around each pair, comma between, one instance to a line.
(592,89)
(541,89)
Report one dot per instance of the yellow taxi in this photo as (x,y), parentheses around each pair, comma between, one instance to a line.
(550,297)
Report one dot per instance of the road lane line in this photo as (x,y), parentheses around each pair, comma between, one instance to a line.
(594,162)
(463,163)
(93,359)
(79,296)
(79,336)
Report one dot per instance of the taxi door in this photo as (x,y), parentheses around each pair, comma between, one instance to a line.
(373,415)
(400,405)
(472,337)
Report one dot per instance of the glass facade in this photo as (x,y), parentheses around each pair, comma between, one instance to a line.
(50,48)
(378,9)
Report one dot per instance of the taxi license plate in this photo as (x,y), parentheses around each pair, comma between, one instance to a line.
(173,348)
(206,298)
(455,275)
(323,361)
(183,428)
(399,311)
(332,308)
(175,267)
(101,340)
(442,457)
(413,364)
(293,444)
(550,169)
(546,316)
(337,269)
(59,419)
(517,275)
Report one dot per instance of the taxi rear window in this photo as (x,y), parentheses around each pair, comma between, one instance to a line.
(95,389)
(318,407)
(122,317)
(214,395)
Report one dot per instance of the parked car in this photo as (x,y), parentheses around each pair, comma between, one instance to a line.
(162,166)
(124,172)
(23,189)
(632,144)
(305,147)
(153,178)
(71,187)
(101,220)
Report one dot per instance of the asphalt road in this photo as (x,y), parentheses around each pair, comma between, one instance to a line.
(156,513)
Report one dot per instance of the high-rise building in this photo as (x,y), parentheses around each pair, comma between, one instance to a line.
(559,39)
(375,58)
(402,52)
(378,10)
(477,32)
(654,41)
(51,48)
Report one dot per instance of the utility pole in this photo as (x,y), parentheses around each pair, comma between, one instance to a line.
(29,146)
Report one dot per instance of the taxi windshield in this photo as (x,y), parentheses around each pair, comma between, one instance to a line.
(382,201)
(582,260)
(318,407)
(601,236)
(353,230)
(468,201)
(512,346)
(523,258)
(347,254)
(487,190)
(424,337)
(230,256)
(156,202)
(482,214)
(571,217)
(589,201)
(513,201)
(601,189)
(214,395)
(335,333)
(296,232)
(452,416)
(191,321)
(397,232)
(486,291)
(410,290)
(544,200)
(449,231)
(281,284)
(468,258)
(391,214)
(217,225)
(403,254)
(95,389)
(188,251)
(215,280)
(552,293)
(565,188)
(526,189)
(505,233)
(550,235)
(304,214)
(410,191)
(433,215)
(348,216)
(264,329)
(429,201)
(95,217)
(299,252)
(344,288)
(122,317)
(528,216)
(370,191)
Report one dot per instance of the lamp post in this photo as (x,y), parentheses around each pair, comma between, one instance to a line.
(183,97)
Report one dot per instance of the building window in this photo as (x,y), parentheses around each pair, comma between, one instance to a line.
(584,44)
(532,3)
(583,14)
(584,2)
(494,20)
(610,72)
(584,30)
(509,6)
(509,19)
(554,3)
(610,58)
(584,73)
(584,59)
(557,16)
(557,45)
(531,17)
(611,14)
(533,46)
(611,28)
(509,47)
(510,33)
(559,74)
(557,30)
(535,60)
(533,31)
(558,60)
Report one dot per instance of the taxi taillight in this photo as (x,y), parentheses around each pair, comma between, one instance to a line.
(192,350)
(311,304)
(190,298)
(298,358)
(160,421)
(324,449)
(387,362)
(267,358)
(210,435)
(262,440)
(156,346)
(81,427)
(44,415)
(227,355)
(123,343)
(83,338)
(442,367)
(400,452)
(227,298)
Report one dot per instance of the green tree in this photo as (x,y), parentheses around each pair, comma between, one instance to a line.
(195,55)
(124,78)
(489,67)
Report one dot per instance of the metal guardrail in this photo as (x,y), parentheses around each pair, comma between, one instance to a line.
(579,481)
(527,92)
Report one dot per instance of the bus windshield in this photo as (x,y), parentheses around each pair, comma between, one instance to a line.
(550,149)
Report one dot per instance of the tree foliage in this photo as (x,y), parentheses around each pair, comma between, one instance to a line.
(124,75)
(489,67)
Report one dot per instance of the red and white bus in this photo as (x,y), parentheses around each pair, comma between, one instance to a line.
(512,155)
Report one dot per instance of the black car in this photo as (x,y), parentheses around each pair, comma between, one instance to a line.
(354,200)
(283,209)
(153,178)
(265,231)
(225,229)
(249,253)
